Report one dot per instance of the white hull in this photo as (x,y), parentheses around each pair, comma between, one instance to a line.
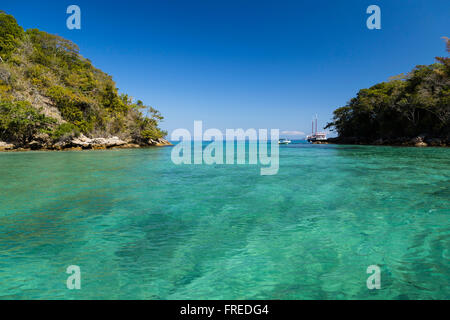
(317,137)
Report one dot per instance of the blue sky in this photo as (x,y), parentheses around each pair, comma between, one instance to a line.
(246,64)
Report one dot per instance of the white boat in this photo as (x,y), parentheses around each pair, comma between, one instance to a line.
(284,141)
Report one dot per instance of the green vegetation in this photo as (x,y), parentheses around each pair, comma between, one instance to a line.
(19,121)
(42,74)
(10,35)
(406,106)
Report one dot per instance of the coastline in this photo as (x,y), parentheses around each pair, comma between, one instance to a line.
(83,143)
(421,141)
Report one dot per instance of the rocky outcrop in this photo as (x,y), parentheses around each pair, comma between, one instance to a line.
(6,146)
(43,142)
(159,143)
(419,141)
(84,142)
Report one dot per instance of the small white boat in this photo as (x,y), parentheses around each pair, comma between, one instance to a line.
(284,141)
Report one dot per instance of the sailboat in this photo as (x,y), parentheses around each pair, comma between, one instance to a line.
(315,135)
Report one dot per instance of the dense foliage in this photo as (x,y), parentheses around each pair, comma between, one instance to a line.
(10,34)
(406,106)
(49,73)
(19,121)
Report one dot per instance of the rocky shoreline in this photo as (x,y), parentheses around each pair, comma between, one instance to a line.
(81,143)
(419,141)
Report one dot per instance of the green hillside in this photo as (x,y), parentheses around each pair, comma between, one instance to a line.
(49,92)
(408,106)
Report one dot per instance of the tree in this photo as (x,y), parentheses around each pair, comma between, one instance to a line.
(405,106)
(10,35)
(19,122)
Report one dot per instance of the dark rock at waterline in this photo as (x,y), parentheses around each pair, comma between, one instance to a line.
(420,141)
(435,142)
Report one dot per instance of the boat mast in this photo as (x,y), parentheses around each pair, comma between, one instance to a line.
(316,124)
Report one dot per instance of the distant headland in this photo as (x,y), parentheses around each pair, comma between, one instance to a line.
(409,110)
(52,98)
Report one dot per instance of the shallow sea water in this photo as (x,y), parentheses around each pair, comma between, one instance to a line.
(141,227)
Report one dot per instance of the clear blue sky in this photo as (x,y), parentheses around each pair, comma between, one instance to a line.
(249,64)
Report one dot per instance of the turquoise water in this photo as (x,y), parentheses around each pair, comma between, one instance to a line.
(141,227)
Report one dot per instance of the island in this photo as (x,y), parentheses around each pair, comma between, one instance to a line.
(408,110)
(52,98)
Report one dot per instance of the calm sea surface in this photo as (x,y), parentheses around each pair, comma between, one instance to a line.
(141,227)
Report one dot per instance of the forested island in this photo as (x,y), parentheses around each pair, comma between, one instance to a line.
(53,98)
(410,110)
